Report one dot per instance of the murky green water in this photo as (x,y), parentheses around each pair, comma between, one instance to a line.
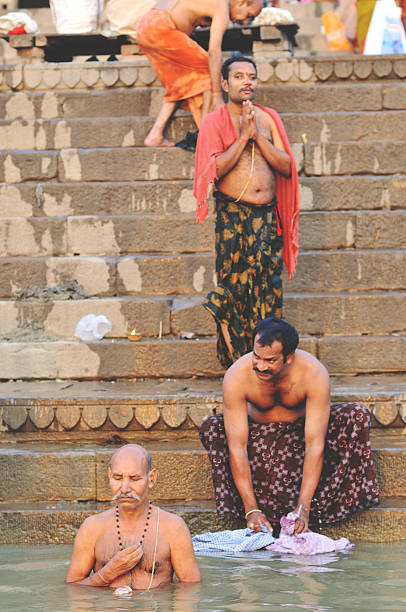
(371,577)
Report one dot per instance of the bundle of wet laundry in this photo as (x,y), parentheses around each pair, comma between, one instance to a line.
(246,540)
(307,543)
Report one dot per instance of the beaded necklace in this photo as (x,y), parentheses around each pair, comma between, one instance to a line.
(117,514)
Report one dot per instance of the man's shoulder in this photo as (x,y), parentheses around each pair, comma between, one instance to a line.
(213,119)
(213,6)
(172,524)
(309,365)
(95,522)
(238,372)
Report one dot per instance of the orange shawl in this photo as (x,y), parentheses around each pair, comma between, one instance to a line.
(216,135)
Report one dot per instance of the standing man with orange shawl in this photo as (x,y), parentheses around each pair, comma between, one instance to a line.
(190,75)
(243,149)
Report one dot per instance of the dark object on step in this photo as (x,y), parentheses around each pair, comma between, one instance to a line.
(189,142)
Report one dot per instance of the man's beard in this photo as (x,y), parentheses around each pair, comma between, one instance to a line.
(131,495)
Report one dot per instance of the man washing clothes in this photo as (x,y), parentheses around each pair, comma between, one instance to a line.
(279,447)
(243,149)
(135,544)
(190,75)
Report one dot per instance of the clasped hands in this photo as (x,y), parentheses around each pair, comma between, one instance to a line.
(248,125)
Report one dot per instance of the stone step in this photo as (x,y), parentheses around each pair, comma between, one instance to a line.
(354,158)
(346,126)
(349,271)
(314,43)
(53,523)
(193,274)
(38,134)
(40,358)
(125,234)
(156,411)
(60,473)
(72,104)
(101,132)
(56,199)
(314,314)
(139,163)
(352,192)
(96,165)
(301,11)
(308,26)
(335,97)
(142,102)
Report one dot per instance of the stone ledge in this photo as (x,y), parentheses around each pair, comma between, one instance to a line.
(47,472)
(138,73)
(32,524)
(159,408)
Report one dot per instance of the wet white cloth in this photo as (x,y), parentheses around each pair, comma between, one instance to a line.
(237,540)
(308,543)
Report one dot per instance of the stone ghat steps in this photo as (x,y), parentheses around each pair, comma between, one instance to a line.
(105,235)
(318,193)
(300,98)
(62,133)
(161,410)
(318,313)
(66,474)
(143,164)
(53,523)
(355,271)
(43,358)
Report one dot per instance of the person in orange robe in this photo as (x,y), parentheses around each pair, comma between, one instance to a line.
(190,75)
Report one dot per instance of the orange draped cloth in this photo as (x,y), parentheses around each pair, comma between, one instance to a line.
(180,63)
(216,135)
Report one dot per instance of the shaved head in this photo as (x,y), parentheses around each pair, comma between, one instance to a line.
(134,451)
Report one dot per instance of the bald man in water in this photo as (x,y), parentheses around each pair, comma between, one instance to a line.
(134,544)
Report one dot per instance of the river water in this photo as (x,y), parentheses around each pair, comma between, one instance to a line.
(369,578)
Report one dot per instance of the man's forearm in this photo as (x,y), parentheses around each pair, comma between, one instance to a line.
(312,466)
(95,580)
(240,469)
(279,160)
(229,158)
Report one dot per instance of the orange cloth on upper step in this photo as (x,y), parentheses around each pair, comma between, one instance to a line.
(180,63)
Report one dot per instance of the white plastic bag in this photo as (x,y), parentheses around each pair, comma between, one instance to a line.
(9,21)
(386,34)
(92,327)
(76,16)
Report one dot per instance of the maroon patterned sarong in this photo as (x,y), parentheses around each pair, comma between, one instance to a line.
(276,454)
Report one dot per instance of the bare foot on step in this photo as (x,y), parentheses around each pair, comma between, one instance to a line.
(152,141)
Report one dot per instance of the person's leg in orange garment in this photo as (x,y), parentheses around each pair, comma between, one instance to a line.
(181,66)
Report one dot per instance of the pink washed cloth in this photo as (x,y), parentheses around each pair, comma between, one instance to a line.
(308,543)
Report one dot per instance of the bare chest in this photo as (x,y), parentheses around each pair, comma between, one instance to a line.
(273,404)
(154,564)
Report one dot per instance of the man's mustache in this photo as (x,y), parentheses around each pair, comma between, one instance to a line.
(132,495)
(262,371)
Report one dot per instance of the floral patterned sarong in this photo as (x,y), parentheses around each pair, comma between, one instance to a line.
(276,453)
(249,268)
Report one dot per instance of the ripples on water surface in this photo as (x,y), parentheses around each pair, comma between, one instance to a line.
(371,577)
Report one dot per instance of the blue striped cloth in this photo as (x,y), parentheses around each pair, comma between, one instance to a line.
(238,540)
